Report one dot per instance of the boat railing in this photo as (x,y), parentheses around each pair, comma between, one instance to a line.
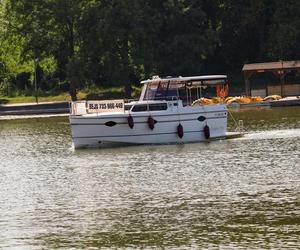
(174,98)
(130,100)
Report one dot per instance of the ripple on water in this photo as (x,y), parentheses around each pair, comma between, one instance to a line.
(240,193)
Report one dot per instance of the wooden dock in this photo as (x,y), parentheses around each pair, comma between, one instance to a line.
(285,102)
(34,109)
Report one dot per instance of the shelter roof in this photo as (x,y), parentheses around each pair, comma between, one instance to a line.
(270,66)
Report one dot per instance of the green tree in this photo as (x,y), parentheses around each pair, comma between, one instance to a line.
(182,37)
(114,42)
(283,42)
(109,48)
(243,31)
(49,28)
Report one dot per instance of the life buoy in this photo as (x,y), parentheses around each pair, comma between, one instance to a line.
(206,132)
(130,121)
(151,122)
(180,131)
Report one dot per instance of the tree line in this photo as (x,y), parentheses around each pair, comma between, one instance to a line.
(81,44)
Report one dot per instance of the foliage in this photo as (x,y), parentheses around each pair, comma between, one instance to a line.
(82,43)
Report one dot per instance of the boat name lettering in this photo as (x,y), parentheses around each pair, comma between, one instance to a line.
(220,114)
(105,106)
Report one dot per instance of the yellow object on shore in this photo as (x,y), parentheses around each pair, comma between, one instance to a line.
(217,100)
(228,99)
(204,101)
(245,99)
(239,99)
(256,99)
(272,98)
(232,100)
(236,99)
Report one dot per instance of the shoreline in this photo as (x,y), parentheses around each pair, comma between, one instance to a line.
(63,108)
(43,108)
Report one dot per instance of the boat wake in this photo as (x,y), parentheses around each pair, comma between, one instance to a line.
(272,134)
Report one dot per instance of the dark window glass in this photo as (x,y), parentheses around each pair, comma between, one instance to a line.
(159,106)
(183,95)
(139,108)
(151,91)
(152,107)
(161,91)
(110,124)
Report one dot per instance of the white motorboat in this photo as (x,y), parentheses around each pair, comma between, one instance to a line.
(167,112)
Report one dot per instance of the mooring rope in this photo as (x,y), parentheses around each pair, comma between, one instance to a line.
(237,124)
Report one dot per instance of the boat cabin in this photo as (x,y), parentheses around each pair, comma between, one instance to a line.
(186,89)
(157,95)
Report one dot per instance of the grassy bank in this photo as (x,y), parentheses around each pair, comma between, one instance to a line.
(94,94)
(31,99)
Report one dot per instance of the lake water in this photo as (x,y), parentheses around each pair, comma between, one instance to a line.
(242,193)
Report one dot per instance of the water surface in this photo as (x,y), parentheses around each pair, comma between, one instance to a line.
(242,193)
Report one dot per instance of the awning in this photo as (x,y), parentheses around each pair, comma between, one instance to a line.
(271,66)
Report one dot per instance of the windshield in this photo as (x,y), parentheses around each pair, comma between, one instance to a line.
(160,91)
(186,91)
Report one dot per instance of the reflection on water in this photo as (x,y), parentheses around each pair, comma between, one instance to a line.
(268,118)
(228,194)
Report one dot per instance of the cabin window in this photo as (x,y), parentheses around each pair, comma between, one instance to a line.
(161,91)
(139,108)
(172,91)
(183,94)
(110,124)
(152,107)
(150,91)
(164,90)
(158,106)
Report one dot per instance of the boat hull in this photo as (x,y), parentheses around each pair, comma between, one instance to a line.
(113,130)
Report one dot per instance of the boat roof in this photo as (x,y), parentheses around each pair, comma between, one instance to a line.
(186,79)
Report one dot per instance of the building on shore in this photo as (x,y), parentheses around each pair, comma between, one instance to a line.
(285,75)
